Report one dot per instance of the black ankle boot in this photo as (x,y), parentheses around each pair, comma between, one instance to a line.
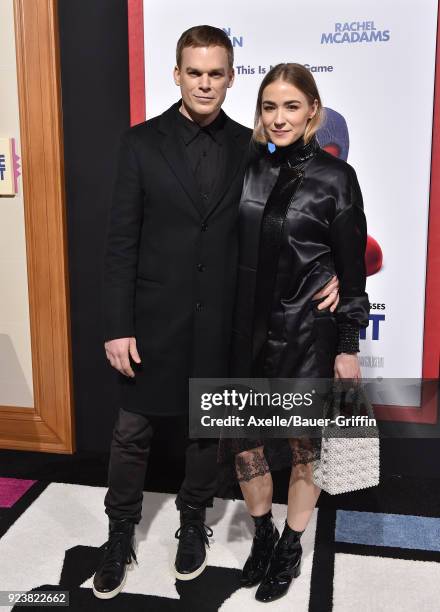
(193,539)
(265,538)
(118,553)
(285,564)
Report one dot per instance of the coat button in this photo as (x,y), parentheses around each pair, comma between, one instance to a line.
(204,227)
(200,267)
(199,306)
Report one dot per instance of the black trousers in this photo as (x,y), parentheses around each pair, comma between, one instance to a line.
(129,453)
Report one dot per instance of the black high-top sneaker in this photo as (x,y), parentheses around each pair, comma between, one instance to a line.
(109,577)
(193,539)
(284,566)
(263,544)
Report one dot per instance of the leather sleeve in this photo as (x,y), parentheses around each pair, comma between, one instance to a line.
(348,234)
(121,253)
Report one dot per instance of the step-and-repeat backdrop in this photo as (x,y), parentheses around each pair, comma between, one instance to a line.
(374,64)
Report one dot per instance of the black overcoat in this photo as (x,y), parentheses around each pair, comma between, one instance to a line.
(170,263)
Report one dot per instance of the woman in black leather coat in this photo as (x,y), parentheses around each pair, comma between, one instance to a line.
(301,223)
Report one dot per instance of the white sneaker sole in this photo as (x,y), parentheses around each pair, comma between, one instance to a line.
(111,594)
(194,574)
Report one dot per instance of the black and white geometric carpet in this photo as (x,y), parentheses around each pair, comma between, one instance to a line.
(377,550)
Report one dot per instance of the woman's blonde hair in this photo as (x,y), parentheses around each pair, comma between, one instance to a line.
(301,78)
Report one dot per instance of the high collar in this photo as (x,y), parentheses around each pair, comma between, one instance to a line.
(296,153)
(189,130)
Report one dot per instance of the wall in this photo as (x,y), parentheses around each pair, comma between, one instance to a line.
(16,388)
(94,71)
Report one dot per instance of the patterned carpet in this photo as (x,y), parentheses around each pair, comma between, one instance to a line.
(375,550)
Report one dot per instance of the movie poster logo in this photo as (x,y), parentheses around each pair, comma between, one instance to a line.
(355,32)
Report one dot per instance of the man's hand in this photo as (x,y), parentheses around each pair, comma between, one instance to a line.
(331,293)
(118,351)
(347,366)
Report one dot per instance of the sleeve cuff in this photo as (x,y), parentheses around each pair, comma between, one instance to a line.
(348,338)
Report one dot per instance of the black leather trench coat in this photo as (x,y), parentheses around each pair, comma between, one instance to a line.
(301,221)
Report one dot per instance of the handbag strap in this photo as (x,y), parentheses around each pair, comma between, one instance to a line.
(342,393)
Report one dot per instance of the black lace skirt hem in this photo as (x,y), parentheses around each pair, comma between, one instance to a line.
(278,453)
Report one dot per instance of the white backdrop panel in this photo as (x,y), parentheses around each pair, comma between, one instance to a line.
(384,90)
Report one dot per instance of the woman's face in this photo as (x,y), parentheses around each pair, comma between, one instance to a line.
(284,112)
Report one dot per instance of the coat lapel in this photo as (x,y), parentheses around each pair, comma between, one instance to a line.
(234,158)
(173,150)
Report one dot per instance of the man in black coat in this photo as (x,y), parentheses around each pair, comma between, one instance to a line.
(169,284)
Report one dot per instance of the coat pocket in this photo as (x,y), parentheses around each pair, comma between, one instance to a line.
(325,335)
(148,282)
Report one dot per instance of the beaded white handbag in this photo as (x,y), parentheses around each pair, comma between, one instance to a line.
(350,455)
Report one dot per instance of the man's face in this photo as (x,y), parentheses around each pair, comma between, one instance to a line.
(204,77)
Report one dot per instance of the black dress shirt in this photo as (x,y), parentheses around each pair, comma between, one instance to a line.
(205,151)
